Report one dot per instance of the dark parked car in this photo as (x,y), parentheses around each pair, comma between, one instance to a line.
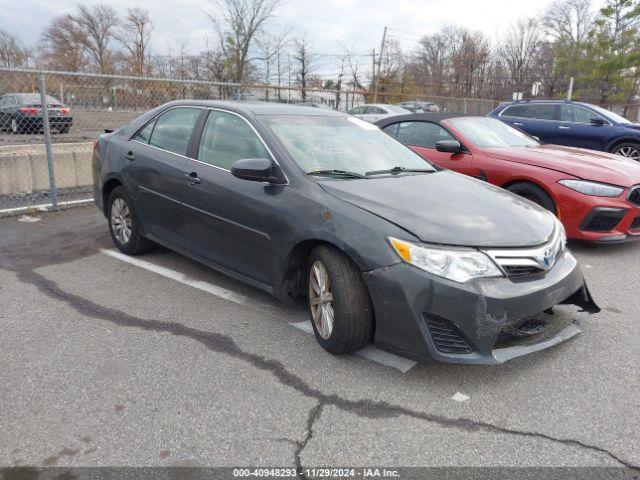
(299,201)
(22,113)
(420,107)
(573,124)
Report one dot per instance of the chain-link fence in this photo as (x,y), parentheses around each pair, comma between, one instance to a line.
(49,121)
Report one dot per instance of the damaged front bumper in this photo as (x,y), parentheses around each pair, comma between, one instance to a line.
(484,321)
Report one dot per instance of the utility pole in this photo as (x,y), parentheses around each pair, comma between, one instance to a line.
(377,74)
(570,91)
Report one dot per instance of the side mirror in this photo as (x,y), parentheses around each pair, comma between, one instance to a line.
(257,170)
(598,122)
(449,146)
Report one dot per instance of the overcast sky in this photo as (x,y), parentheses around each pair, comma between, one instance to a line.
(357,24)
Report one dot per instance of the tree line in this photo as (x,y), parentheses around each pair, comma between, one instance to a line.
(536,56)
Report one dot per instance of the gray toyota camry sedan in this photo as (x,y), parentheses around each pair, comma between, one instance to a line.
(304,202)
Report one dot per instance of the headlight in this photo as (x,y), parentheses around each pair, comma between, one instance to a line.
(592,188)
(458,265)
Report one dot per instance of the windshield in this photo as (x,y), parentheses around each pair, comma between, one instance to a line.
(487,132)
(323,143)
(610,115)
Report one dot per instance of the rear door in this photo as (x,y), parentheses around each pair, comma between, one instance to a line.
(229,221)
(577,130)
(155,158)
(537,119)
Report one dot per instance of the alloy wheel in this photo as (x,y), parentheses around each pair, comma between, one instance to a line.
(630,152)
(14,126)
(321,299)
(121,220)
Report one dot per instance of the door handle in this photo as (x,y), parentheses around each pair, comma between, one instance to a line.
(192,178)
(130,156)
(563,127)
(518,124)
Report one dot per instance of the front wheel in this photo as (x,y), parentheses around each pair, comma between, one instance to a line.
(535,194)
(339,303)
(124,225)
(629,150)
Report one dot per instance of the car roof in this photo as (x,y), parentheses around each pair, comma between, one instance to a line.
(31,96)
(545,100)
(376,105)
(259,108)
(421,117)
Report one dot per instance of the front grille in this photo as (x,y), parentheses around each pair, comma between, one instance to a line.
(602,223)
(635,224)
(446,336)
(634,196)
(525,262)
(532,330)
(515,271)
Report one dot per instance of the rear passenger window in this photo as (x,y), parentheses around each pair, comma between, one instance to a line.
(422,134)
(173,129)
(227,138)
(391,130)
(539,111)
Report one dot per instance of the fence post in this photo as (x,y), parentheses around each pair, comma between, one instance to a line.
(47,140)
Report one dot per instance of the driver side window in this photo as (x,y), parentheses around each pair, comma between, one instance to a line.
(577,114)
(227,138)
(422,134)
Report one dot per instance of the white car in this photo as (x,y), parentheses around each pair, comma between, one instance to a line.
(372,112)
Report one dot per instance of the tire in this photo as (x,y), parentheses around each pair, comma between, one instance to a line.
(535,194)
(120,215)
(64,129)
(628,149)
(350,305)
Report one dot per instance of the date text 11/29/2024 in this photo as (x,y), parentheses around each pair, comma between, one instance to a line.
(324,472)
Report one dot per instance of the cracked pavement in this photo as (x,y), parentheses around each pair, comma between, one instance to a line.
(104,363)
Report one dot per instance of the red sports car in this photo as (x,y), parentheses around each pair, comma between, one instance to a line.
(596,195)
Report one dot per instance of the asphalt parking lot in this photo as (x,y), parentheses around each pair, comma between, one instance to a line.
(167,363)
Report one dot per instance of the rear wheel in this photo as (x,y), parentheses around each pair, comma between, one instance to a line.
(339,303)
(535,194)
(124,225)
(629,149)
(15,128)
(64,129)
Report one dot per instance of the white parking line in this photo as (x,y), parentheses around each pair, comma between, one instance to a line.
(181,277)
(370,352)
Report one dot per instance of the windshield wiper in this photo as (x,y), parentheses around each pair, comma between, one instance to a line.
(337,173)
(396,170)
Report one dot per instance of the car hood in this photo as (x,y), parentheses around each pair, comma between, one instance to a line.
(448,208)
(577,162)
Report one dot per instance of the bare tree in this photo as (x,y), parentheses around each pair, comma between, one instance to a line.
(271,46)
(236,27)
(304,63)
(98,23)
(431,62)
(568,22)
(62,45)
(135,36)
(13,54)
(518,48)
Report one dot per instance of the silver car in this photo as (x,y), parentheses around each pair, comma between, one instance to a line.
(372,112)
